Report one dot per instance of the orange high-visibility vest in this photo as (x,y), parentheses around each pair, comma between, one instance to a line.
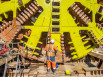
(50,50)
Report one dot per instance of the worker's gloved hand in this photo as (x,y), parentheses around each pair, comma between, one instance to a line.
(56,52)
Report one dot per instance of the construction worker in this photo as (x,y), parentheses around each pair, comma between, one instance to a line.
(51,52)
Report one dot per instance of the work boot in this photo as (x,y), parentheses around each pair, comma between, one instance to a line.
(54,71)
(48,71)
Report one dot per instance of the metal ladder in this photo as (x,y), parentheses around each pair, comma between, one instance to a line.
(17,65)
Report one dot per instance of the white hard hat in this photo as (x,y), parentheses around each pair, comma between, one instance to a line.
(52,41)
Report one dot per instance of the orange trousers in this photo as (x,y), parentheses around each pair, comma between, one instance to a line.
(49,63)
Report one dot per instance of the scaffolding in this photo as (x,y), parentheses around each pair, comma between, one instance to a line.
(14,65)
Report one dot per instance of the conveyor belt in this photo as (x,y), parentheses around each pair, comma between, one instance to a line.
(98,53)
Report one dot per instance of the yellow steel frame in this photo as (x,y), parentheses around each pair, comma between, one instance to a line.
(67,24)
